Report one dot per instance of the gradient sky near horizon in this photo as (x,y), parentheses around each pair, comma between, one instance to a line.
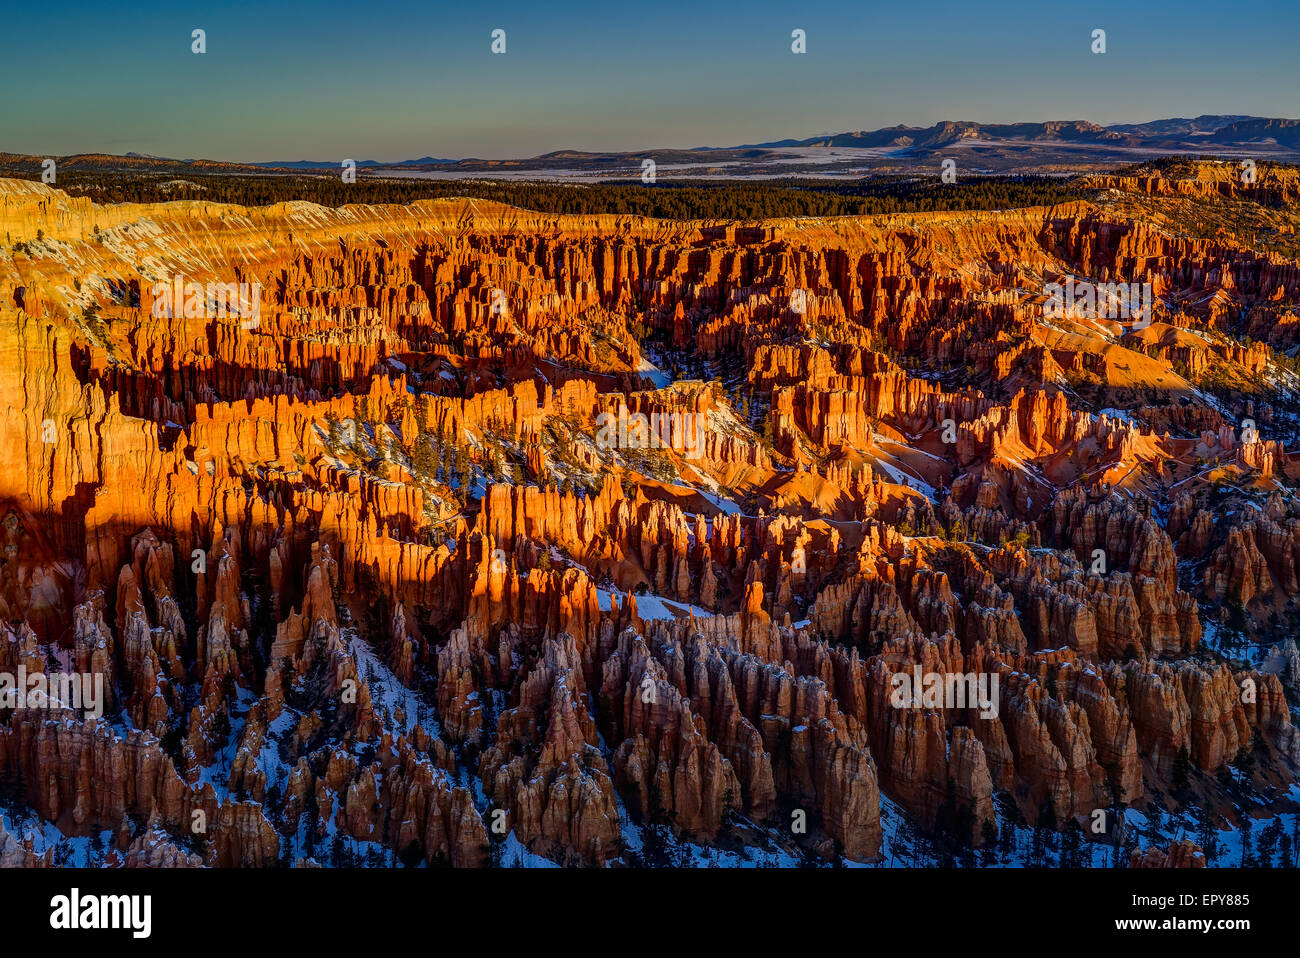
(392,80)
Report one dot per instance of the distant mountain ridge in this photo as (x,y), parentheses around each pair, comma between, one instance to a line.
(1167,133)
(1048,146)
(335,164)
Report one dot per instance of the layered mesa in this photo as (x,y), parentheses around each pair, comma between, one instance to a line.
(456,533)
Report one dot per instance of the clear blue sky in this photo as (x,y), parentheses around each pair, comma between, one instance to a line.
(390,80)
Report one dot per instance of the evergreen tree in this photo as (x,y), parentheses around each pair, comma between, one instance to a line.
(1071,846)
(988,851)
(424,464)
(1207,832)
(1247,857)
(334,431)
(1268,840)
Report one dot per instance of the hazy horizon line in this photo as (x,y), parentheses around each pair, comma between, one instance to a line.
(491,156)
